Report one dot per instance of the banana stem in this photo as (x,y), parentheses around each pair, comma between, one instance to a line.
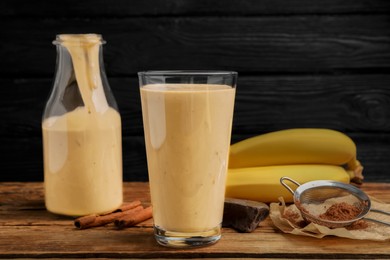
(355,169)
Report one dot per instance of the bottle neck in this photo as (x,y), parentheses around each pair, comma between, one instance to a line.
(81,62)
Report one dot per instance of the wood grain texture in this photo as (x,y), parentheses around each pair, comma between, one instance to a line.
(358,105)
(373,151)
(74,8)
(301,63)
(247,44)
(42,234)
(348,103)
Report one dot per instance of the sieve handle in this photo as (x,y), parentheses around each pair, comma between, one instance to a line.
(378,221)
(380,211)
(288,187)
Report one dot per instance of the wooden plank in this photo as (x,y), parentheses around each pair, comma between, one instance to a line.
(355,104)
(24,196)
(270,44)
(348,103)
(74,8)
(66,242)
(48,236)
(22,157)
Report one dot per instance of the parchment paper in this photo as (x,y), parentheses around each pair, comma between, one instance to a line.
(289,220)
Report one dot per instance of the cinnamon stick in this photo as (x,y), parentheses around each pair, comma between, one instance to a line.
(101,220)
(128,205)
(129,220)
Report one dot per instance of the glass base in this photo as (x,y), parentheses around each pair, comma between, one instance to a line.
(187,240)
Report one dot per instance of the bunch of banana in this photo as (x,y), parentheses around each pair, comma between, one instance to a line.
(304,154)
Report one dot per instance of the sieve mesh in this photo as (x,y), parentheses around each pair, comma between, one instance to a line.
(316,197)
(317,201)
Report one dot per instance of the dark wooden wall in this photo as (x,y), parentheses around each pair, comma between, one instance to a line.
(301,63)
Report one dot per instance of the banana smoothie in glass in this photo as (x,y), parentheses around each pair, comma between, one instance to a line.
(187,123)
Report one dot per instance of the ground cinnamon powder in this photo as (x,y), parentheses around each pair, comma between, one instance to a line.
(360,224)
(294,218)
(344,211)
(337,212)
(341,212)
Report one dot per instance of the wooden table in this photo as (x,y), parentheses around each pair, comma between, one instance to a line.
(27,230)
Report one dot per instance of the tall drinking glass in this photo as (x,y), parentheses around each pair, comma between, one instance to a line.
(187,117)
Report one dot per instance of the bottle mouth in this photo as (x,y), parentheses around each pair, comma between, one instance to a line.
(79,39)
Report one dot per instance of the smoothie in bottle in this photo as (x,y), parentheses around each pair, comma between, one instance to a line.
(81,133)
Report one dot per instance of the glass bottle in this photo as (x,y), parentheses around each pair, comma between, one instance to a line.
(81,127)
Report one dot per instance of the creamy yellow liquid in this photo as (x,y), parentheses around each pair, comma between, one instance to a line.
(187,134)
(83,162)
(83,148)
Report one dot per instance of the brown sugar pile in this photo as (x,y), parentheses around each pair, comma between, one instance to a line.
(341,212)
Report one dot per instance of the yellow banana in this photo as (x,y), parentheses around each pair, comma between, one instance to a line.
(297,146)
(263,183)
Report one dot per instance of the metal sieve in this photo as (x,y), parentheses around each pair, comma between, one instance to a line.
(315,197)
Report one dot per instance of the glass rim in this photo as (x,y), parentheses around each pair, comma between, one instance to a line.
(187,73)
